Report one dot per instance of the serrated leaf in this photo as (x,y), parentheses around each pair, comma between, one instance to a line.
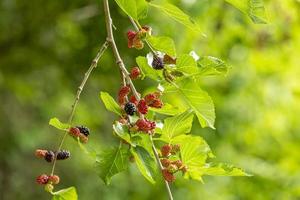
(58,124)
(147,70)
(210,65)
(167,109)
(186,64)
(111,162)
(145,163)
(110,103)
(123,132)
(163,44)
(194,152)
(178,15)
(142,9)
(197,99)
(253,8)
(177,125)
(222,169)
(65,194)
(129,7)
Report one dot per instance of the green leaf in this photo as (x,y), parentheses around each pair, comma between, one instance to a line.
(129,7)
(197,99)
(194,152)
(110,103)
(178,15)
(111,162)
(253,8)
(59,125)
(177,125)
(65,194)
(163,44)
(147,70)
(186,64)
(123,132)
(222,169)
(212,66)
(142,9)
(145,163)
(167,109)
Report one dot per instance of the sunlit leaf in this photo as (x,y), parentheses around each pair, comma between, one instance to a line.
(65,194)
(178,15)
(145,163)
(163,44)
(147,70)
(167,109)
(58,124)
(110,103)
(209,65)
(142,9)
(222,169)
(123,132)
(177,125)
(111,162)
(129,7)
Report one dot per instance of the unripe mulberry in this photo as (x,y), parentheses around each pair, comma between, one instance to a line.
(157,63)
(49,157)
(166,150)
(40,153)
(135,73)
(130,36)
(48,187)
(165,162)
(150,97)
(63,154)
(42,179)
(157,103)
(84,130)
(124,91)
(130,108)
(53,179)
(133,100)
(178,163)
(137,42)
(142,106)
(145,125)
(74,131)
(168,176)
(175,148)
(83,138)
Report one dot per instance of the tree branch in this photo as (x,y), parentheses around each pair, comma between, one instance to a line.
(79,90)
(119,61)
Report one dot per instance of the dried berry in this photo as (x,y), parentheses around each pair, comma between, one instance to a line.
(63,154)
(49,156)
(142,106)
(135,73)
(168,176)
(84,130)
(157,63)
(165,162)
(40,153)
(130,108)
(166,150)
(53,179)
(42,179)
(145,125)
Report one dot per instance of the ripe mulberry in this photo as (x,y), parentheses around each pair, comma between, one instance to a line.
(74,131)
(145,125)
(142,106)
(63,154)
(130,108)
(130,36)
(49,157)
(168,176)
(157,63)
(84,130)
(135,73)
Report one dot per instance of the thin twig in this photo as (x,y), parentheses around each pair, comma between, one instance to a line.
(79,90)
(119,61)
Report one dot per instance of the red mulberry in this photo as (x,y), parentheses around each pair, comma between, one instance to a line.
(145,125)
(166,150)
(168,176)
(42,179)
(135,73)
(142,106)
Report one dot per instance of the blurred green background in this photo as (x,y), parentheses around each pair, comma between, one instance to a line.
(46,46)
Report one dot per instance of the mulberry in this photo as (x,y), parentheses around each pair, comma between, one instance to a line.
(168,176)
(142,106)
(74,131)
(42,179)
(40,153)
(63,154)
(157,63)
(49,156)
(84,130)
(130,108)
(145,125)
(166,150)
(165,162)
(135,73)
(53,179)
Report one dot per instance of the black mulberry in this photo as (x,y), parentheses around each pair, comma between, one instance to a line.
(49,156)
(63,154)
(130,108)
(84,130)
(157,63)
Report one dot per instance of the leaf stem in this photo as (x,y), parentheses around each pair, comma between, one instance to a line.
(79,90)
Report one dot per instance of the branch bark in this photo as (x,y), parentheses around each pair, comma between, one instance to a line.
(79,90)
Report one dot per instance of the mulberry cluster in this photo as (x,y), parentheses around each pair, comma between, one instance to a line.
(45,179)
(49,155)
(80,132)
(135,39)
(170,167)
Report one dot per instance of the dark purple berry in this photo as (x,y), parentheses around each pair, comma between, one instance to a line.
(49,156)
(84,130)
(63,154)
(130,108)
(157,63)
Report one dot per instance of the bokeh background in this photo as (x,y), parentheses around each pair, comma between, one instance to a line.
(46,46)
